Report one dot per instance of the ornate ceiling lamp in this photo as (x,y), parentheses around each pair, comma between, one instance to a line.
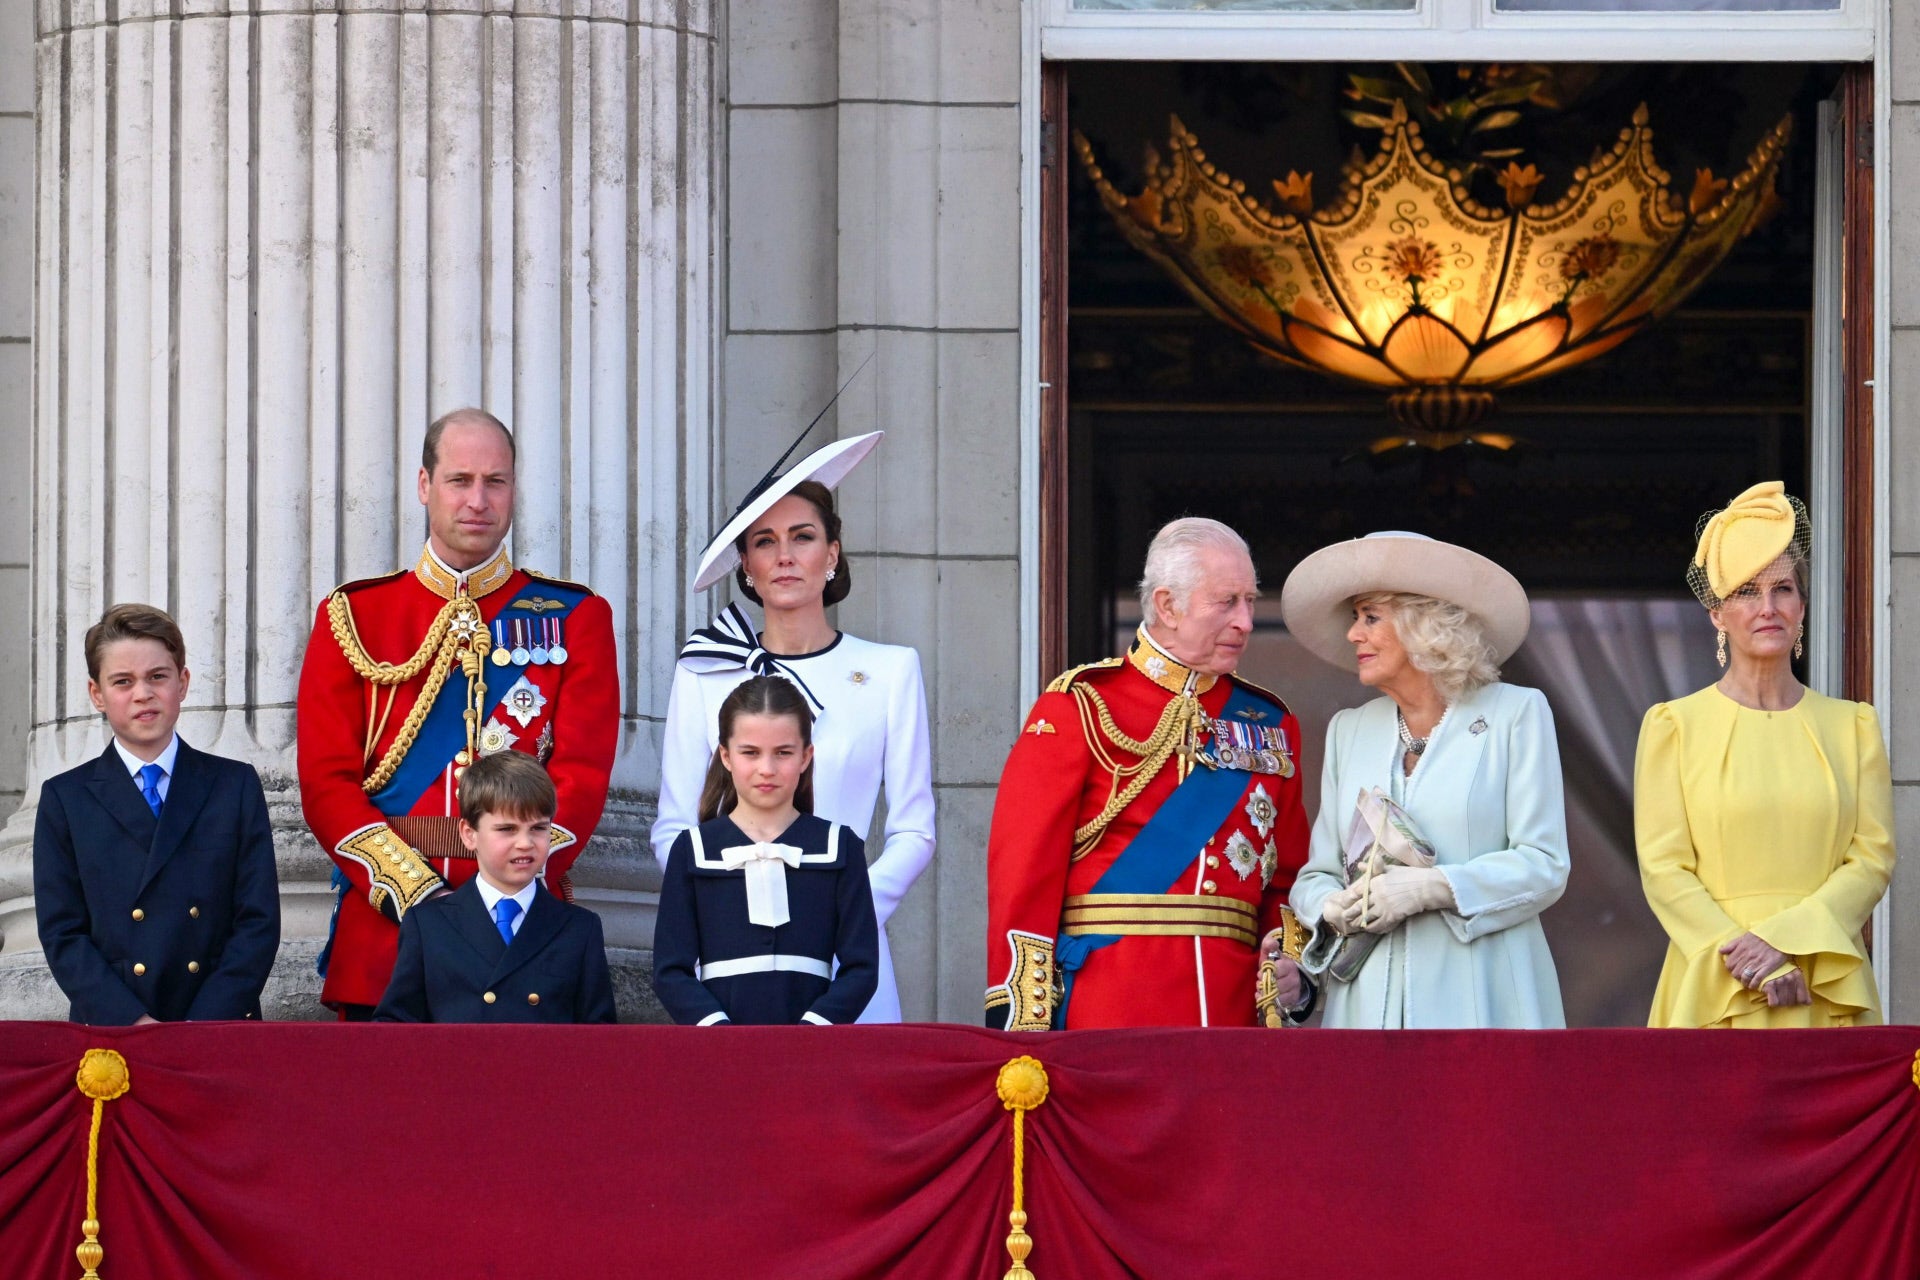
(1407,282)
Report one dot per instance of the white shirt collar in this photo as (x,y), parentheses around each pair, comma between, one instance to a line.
(491,896)
(165,759)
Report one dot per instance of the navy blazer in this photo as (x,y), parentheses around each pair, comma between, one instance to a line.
(177,917)
(453,966)
(712,964)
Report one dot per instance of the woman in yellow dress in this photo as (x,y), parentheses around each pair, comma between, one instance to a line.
(1763,811)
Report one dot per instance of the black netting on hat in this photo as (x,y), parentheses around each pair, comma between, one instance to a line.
(1799,548)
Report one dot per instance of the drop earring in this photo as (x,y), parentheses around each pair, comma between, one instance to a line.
(1720,649)
(1799,644)
(748,578)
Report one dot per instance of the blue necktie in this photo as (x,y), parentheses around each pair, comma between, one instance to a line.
(150,775)
(503,913)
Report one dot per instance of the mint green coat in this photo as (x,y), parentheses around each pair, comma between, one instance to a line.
(1489,797)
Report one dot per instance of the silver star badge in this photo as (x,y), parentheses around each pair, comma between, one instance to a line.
(524,701)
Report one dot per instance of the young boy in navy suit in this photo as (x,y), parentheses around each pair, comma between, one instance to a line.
(153,874)
(500,948)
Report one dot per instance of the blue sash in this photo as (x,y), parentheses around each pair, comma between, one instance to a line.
(444,731)
(1164,847)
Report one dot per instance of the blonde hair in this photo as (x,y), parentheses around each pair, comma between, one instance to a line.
(1441,639)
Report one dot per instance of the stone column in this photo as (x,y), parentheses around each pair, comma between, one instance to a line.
(874,204)
(275,241)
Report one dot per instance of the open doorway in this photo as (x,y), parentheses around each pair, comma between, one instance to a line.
(1168,411)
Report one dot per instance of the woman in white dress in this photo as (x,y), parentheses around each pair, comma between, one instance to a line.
(870,707)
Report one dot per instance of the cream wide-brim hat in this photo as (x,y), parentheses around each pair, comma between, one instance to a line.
(829,464)
(1317,601)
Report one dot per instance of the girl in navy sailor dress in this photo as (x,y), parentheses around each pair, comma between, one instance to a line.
(763,898)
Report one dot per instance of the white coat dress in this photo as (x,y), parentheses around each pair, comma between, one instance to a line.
(870,732)
(1489,797)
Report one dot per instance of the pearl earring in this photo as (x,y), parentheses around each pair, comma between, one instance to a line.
(832,574)
(749,581)
(1720,649)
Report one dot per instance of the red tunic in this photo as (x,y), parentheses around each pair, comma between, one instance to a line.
(1054,784)
(574,733)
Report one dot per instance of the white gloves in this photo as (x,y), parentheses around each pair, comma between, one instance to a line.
(1338,906)
(1395,894)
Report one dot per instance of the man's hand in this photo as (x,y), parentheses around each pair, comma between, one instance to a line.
(1290,987)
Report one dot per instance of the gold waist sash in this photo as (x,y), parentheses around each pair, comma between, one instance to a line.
(1164,915)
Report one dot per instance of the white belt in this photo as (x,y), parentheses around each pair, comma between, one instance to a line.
(763,964)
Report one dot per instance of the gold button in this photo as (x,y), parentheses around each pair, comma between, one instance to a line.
(461,757)
(138,914)
(488,997)
(459,772)
(1212,861)
(193,966)
(1207,887)
(194,912)
(533,997)
(139,971)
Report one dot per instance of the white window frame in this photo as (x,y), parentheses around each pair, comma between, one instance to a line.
(1461,30)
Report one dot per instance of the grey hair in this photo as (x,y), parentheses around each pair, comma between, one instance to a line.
(1173,558)
(1441,639)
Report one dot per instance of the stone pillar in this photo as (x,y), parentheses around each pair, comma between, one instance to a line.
(274,242)
(874,204)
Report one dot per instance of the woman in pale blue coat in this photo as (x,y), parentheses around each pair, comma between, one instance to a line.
(1473,764)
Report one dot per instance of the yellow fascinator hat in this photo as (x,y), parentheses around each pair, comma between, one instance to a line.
(1744,537)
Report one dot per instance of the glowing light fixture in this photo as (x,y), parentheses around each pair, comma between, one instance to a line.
(1406,282)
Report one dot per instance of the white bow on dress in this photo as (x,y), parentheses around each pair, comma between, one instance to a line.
(766,879)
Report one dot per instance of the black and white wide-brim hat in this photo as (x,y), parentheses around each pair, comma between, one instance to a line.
(1317,599)
(829,464)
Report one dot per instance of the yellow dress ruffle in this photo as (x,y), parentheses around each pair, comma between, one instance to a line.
(1775,823)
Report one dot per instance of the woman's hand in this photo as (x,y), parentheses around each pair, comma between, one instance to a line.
(1399,892)
(1750,960)
(1337,910)
(1789,988)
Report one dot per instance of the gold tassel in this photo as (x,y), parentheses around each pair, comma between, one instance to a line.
(103,1077)
(1022,1087)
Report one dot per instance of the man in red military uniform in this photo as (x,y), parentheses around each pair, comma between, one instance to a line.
(410,677)
(1149,824)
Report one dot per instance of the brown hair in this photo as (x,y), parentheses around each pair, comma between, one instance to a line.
(821,499)
(430,450)
(757,696)
(510,782)
(133,622)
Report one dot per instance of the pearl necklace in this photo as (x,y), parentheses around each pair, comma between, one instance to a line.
(1411,745)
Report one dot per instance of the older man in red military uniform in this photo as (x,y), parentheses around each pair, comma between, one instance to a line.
(1149,823)
(412,676)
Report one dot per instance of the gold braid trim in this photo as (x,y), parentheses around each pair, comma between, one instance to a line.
(458,631)
(1177,732)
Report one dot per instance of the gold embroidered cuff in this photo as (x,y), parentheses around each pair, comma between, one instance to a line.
(561,838)
(401,877)
(1031,992)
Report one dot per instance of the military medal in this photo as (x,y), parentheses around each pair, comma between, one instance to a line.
(539,650)
(1250,748)
(501,657)
(520,654)
(556,652)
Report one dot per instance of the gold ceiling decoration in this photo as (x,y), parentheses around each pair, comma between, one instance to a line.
(1406,282)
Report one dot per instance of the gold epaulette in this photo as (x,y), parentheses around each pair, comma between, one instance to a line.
(558,582)
(1064,681)
(374,581)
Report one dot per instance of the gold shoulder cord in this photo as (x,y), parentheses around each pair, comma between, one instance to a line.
(1176,733)
(458,631)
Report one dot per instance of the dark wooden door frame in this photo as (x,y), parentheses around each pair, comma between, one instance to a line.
(1053,368)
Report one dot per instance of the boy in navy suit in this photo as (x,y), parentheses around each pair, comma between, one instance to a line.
(153,873)
(500,948)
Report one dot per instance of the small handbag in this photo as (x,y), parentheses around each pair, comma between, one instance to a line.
(1381,835)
